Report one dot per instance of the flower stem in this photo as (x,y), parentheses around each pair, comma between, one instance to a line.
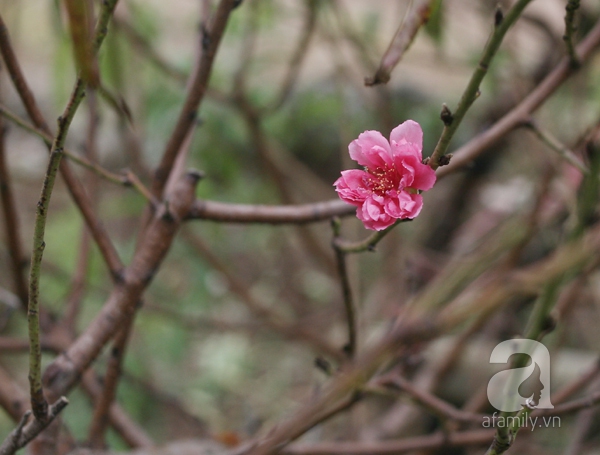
(367,244)
(349,306)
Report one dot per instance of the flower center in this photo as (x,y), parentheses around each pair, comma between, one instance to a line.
(383,180)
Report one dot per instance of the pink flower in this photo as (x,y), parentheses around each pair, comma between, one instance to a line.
(388,187)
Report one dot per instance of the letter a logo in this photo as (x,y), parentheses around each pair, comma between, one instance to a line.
(503,388)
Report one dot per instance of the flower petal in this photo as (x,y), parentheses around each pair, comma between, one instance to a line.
(392,207)
(387,190)
(411,205)
(407,167)
(410,132)
(424,177)
(351,188)
(406,149)
(373,215)
(371,149)
(415,174)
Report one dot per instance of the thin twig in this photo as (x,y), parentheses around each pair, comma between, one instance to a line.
(11,344)
(106,247)
(268,317)
(351,33)
(78,282)
(367,244)
(143,47)
(572,406)
(522,112)
(39,404)
(287,173)
(578,384)
(351,320)
(247,48)
(345,384)
(471,93)
(129,430)
(554,144)
(24,433)
(298,57)
(197,88)
(11,223)
(11,442)
(136,183)
(100,417)
(131,433)
(533,218)
(430,401)
(415,19)
(335,410)
(18,79)
(127,180)
(38,401)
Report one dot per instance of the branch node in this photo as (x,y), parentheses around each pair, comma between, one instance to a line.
(195,175)
(445,160)
(498,16)
(446,115)
(118,276)
(167,215)
(22,423)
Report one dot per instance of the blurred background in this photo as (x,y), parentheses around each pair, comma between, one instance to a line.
(286,97)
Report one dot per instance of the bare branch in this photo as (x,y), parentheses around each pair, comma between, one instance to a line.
(522,112)
(197,88)
(282,214)
(415,19)
(24,433)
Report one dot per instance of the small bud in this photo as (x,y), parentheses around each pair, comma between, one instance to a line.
(446,115)
(195,175)
(498,16)
(445,160)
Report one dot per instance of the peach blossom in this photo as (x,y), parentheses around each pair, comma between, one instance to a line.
(394,174)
